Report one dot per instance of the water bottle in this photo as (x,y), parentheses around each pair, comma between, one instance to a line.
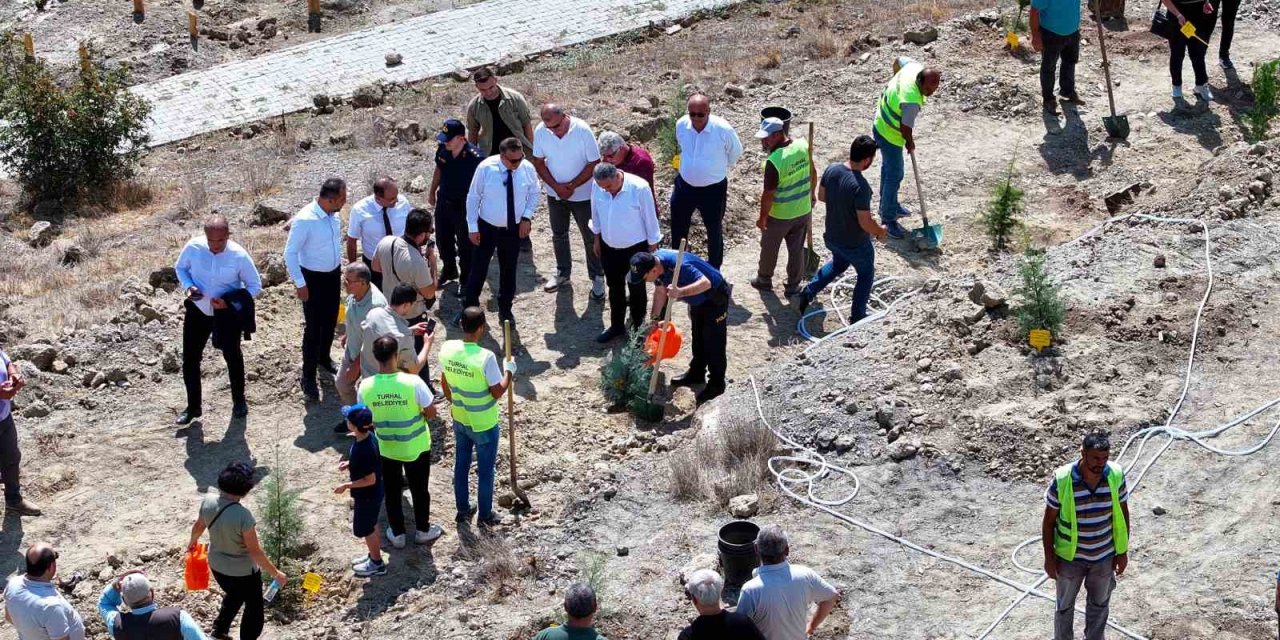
(272,590)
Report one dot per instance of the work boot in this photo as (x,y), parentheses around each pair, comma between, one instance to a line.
(187,416)
(710,393)
(23,507)
(240,409)
(688,379)
(761,284)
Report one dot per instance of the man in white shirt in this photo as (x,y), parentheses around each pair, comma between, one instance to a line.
(500,206)
(375,217)
(564,153)
(709,147)
(33,605)
(313,257)
(777,598)
(625,219)
(210,267)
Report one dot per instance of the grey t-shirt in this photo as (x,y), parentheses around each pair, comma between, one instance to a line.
(403,262)
(384,322)
(227,553)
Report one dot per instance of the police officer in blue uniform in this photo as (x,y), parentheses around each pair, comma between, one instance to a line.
(456,162)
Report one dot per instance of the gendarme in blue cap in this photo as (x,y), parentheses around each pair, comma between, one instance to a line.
(358,414)
(641,263)
(450,130)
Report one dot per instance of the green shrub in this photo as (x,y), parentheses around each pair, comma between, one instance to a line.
(1016,22)
(624,378)
(1041,306)
(59,139)
(1000,218)
(1266,99)
(676,107)
(281,522)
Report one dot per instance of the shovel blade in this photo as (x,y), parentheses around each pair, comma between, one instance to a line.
(927,237)
(1117,126)
(812,261)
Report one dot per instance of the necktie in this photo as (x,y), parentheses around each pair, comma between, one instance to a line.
(511,200)
(386,221)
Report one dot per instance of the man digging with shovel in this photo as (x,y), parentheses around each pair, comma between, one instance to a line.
(896,112)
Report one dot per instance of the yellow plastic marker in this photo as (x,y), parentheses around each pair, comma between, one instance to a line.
(1189,30)
(1040,338)
(192,27)
(311,582)
(675,162)
(1012,38)
(342,313)
(29,45)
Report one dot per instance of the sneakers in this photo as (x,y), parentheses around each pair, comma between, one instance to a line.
(490,522)
(1072,98)
(437,396)
(1177,92)
(23,507)
(554,283)
(463,518)
(1225,63)
(1203,91)
(187,416)
(803,300)
(370,568)
(597,288)
(396,541)
(895,230)
(428,536)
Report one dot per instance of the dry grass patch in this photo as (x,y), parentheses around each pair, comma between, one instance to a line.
(260,176)
(821,45)
(771,59)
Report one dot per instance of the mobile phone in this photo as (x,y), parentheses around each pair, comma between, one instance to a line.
(431,325)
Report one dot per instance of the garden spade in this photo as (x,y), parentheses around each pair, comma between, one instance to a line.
(812,261)
(928,236)
(521,498)
(653,406)
(1117,126)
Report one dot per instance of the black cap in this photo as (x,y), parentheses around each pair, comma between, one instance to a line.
(641,263)
(451,129)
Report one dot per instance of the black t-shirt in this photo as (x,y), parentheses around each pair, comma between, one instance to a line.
(456,172)
(725,625)
(364,459)
(847,193)
(500,129)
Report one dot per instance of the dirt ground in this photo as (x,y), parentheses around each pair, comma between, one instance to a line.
(951,425)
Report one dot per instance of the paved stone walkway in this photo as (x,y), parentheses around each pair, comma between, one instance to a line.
(283,82)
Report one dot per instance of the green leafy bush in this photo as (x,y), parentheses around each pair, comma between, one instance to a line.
(624,378)
(281,522)
(1041,306)
(1266,99)
(1001,215)
(62,138)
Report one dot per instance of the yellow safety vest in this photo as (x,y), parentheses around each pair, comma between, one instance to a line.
(401,430)
(1066,534)
(791,200)
(463,366)
(901,89)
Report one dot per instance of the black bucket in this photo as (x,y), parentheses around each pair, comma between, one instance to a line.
(781,113)
(738,551)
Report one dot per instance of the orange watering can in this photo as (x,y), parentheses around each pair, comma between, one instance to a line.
(670,347)
(197,568)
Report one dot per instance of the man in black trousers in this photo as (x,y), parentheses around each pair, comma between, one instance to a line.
(456,162)
(313,256)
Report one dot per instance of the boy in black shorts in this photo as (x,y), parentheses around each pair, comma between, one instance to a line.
(364,465)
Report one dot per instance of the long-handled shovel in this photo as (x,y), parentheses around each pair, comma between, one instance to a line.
(928,236)
(653,407)
(812,261)
(521,498)
(1117,126)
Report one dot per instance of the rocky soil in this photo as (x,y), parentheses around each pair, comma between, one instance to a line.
(950,422)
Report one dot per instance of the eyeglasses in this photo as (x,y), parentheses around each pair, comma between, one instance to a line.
(699,114)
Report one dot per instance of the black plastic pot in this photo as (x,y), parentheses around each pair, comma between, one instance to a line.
(738,551)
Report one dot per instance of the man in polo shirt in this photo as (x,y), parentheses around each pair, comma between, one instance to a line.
(708,294)
(625,220)
(628,158)
(778,596)
(709,147)
(313,257)
(33,605)
(514,117)
(564,153)
(1055,32)
(1085,533)
(456,162)
(375,217)
(785,204)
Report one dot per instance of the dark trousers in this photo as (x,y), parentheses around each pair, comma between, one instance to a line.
(710,338)
(418,475)
(1066,49)
(1229,9)
(710,202)
(374,276)
(563,214)
(617,263)
(196,329)
(863,260)
(451,238)
(321,314)
(238,591)
(1180,46)
(1099,581)
(506,243)
(10,460)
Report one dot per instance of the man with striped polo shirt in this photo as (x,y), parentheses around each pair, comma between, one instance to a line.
(1085,533)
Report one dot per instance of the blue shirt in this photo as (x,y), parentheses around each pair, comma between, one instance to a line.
(109,609)
(1058,16)
(692,270)
(5,405)
(364,459)
(456,172)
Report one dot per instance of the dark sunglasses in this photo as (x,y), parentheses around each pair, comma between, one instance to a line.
(699,114)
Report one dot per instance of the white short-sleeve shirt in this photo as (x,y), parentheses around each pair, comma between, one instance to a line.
(566,157)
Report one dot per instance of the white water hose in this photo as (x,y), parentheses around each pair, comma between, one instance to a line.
(791,477)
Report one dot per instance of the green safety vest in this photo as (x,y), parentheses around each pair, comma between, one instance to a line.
(1067,532)
(463,366)
(901,89)
(401,430)
(791,200)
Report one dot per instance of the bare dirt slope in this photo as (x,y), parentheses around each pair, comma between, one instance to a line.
(117,478)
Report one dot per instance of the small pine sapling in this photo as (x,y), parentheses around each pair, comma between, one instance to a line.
(1001,215)
(1041,306)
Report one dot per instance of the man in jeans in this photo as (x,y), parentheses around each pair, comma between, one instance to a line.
(1085,533)
(849,227)
(897,110)
(564,153)
(1055,32)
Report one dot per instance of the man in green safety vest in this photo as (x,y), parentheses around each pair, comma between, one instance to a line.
(401,404)
(473,383)
(1085,533)
(789,183)
(896,112)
